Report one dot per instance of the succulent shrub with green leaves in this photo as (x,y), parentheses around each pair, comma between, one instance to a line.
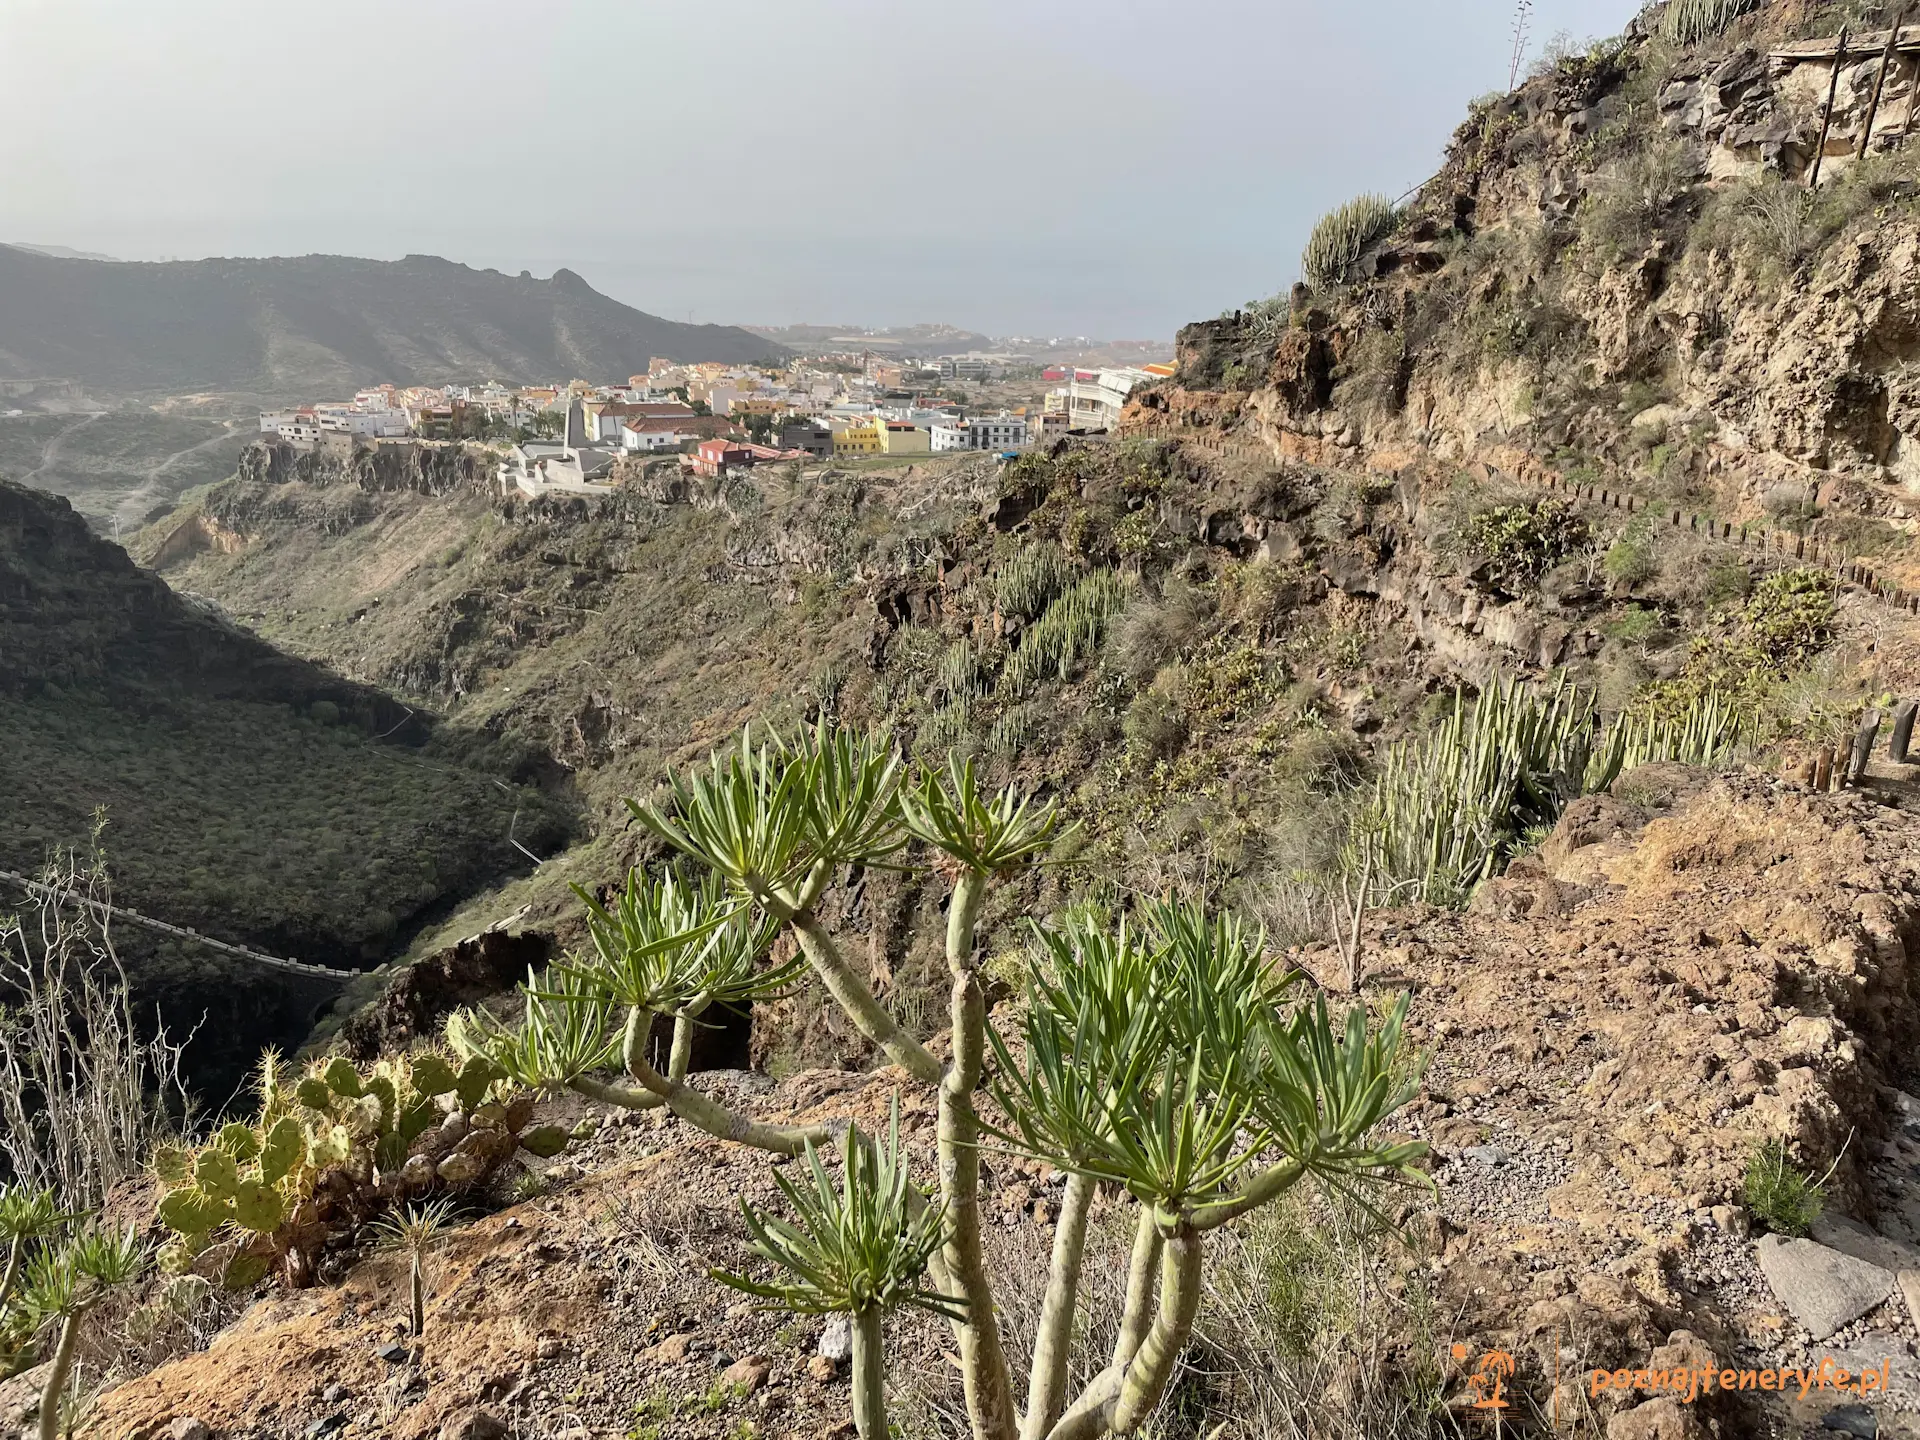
(860,1247)
(1163,1055)
(64,1284)
(1341,236)
(1449,808)
(27,1215)
(334,1148)
(1687,22)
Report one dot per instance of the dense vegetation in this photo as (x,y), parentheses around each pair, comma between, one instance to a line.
(296,832)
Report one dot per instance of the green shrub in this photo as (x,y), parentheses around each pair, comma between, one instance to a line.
(1729,580)
(1341,237)
(1688,22)
(1780,1197)
(1156,724)
(1629,559)
(1629,202)
(1789,616)
(1519,543)
(1634,626)
(1153,632)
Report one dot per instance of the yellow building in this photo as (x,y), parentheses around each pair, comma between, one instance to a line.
(897,437)
(866,437)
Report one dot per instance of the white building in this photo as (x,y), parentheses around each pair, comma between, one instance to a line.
(272,420)
(642,432)
(570,465)
(997,432)
(1095,402)
(300,432)
(371,424)
(951,435)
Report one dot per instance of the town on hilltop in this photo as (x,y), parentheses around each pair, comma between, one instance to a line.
(718,417)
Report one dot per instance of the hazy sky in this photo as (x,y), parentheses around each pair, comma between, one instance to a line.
(1112,168)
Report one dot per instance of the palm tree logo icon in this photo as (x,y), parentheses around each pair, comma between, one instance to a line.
(1489,1377)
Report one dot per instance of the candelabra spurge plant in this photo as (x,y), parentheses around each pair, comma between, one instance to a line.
(64,1284)
(1163,1056)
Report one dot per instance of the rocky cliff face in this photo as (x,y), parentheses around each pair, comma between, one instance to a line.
(1621,271)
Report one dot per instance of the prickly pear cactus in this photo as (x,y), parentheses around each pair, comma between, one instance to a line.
(334,1148)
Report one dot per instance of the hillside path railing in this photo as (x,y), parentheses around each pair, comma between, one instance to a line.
(134,917)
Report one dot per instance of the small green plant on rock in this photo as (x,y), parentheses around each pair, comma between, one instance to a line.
(416,1232)
(1780,1197)
(1629,560)
(1517,544)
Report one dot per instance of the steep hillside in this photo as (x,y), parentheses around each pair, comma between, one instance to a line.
(1623,275)
(1202,652)
(323,324)
(250,795)
(1602,438)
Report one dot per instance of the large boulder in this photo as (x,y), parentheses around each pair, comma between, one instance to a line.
(1824,1288)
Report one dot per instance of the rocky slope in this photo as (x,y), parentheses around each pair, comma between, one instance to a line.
(312,325)
(1621,273)
(1692,965)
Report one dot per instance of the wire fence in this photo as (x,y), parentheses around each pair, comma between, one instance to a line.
(134,917)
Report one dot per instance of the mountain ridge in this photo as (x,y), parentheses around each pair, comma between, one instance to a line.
(300,326)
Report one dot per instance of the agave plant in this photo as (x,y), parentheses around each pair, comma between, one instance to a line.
(1340,237)
(859,1247)
(1162,1054)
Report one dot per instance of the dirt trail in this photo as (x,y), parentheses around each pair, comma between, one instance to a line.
(133,507)
(52,451)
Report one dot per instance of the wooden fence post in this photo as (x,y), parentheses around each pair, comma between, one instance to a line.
(1826,115)
(1879,83)
(1903,714)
